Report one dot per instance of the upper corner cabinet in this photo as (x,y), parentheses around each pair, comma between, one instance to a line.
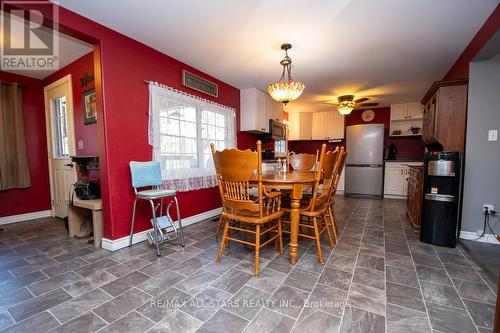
(257,108)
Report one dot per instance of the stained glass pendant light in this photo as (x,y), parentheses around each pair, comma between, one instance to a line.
(286,89)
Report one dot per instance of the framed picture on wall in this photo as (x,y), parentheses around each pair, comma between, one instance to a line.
(89,107)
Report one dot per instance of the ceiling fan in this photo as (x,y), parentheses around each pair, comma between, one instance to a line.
(347,103)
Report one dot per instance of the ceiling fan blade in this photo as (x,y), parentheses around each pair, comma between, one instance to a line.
(361,100)
(367,104)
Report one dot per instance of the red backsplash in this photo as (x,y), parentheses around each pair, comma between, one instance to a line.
(407,146)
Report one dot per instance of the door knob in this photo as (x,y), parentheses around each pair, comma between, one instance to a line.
(69,165)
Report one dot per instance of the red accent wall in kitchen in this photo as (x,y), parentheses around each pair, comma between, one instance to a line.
(121,65)
(407,146)
(37,196)
(461,67)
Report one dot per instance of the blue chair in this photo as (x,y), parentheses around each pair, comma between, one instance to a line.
(148,174)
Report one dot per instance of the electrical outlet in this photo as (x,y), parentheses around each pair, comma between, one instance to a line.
(492,135)
(80,144)
(488,207)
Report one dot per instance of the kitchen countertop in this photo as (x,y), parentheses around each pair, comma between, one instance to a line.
(404,159)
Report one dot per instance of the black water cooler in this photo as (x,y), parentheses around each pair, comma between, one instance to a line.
(441,207)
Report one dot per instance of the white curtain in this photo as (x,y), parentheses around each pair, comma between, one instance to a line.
(181,128)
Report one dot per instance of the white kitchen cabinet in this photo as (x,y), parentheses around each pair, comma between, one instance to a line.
(415,110)
(404,117)
(293,126)
(305,126)
(327,125)
(257,108)
(300,126)
(399,111)
(396,179)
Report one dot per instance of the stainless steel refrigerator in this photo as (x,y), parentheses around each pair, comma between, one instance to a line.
(364,168)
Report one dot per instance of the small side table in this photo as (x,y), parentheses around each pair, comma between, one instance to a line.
(77,213)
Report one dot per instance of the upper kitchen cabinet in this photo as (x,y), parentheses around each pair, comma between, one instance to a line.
(300,126)
(406,119)
(445,113)
(327,125)
(324,125)
(257,108)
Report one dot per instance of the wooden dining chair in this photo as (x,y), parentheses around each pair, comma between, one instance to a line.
(236,171)
(315,209)
(339,167)
(303,162)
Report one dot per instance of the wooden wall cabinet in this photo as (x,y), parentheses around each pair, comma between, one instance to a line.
(445,113)
(257,108)
(415,194)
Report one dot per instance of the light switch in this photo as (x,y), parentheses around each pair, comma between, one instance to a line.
(492,135)
(80,144)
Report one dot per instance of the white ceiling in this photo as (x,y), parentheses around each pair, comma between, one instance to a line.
(388,50)
(70,49)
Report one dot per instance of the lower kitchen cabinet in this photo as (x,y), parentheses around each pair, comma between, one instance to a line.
(414,196)
(396,178)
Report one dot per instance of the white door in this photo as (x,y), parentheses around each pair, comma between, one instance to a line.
(335,123)
(319,126)
(293,126)
(393,179)
(60,142)
(415,110)
(305,126)
(399,111)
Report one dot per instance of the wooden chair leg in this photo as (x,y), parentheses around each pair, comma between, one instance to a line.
(318,242)
(216,232)
(223,240)
(328,230)
(257,249)
(334,224)
(280,236)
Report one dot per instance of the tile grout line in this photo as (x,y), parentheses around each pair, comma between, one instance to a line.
(319,276)
(456,290)
(355,263)
(475,270)
(415,269)
(385,271)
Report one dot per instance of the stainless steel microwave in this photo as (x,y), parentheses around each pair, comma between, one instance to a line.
(277,129)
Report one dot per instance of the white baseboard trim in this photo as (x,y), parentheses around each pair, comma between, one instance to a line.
(487,238)
(25,217)
(117,244)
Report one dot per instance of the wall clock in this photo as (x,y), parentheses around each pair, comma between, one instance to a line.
(368,115)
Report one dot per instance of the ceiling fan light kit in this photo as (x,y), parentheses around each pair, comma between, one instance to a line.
(286,89)
(347,104)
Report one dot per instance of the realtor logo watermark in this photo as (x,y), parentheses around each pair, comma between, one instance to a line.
(30,38)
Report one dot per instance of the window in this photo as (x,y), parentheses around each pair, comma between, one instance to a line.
(60,127)
(181,130)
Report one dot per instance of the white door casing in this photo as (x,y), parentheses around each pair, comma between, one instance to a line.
(59,123)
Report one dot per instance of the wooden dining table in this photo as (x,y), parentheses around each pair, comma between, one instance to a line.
(297,182)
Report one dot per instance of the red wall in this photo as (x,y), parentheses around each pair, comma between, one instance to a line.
(87,133)
(121,65)
(36,197)
(407,146)
(461,67)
